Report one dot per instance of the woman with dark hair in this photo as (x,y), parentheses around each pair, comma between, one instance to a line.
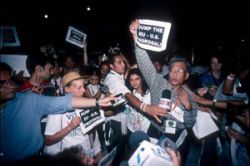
(139,88)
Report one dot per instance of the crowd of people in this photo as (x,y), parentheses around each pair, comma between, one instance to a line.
(39,119)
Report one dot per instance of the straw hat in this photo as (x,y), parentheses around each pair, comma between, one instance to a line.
(71,76)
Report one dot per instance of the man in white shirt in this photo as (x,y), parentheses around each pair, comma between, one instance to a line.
(116,83)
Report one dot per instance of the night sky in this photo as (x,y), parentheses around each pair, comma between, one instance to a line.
(204,26)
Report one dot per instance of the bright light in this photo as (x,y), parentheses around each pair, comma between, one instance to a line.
(242,40)
(46,16)
(88,8)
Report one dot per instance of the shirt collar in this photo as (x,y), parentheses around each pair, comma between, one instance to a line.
(115,73)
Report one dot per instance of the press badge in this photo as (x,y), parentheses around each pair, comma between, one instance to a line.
(170,126)
(178,113)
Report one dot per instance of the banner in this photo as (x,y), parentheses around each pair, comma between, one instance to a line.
(153,35)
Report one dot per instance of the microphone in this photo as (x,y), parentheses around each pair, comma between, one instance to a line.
(136,138)
(165,101)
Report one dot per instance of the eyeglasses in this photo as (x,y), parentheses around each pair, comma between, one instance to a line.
(177,71)
(6,82)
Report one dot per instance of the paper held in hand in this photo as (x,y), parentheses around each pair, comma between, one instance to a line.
(75,36)
(90,118)
(153,35)
(204,125)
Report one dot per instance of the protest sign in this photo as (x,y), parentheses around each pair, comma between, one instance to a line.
(90,118)
(8,36)
(153,35)
(75,36)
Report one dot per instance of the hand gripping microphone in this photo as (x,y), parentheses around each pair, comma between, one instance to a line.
(165,101)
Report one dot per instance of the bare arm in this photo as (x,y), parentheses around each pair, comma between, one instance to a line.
(80,102)
(207,102)
(85,54)
(228,84)
(152,110)
(58,136)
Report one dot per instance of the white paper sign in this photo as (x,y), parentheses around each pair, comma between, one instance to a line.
(90,118)
(204,125)
(16,62)
(153,35)
(76,37)
(8,36)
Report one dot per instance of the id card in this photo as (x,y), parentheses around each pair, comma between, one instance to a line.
(170,126)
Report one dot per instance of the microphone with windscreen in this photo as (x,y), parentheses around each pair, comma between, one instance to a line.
(136,138)
(165,101)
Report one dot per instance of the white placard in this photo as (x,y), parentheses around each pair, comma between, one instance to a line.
(108,159)
(75,36)
(153,35)
(16,62)
(204,125)
(90,118)
(9,37)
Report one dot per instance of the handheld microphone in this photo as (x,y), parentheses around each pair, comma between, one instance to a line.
(136,138)
(165,101)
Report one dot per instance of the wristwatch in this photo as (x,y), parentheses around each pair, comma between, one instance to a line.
(97,103)
(214,101)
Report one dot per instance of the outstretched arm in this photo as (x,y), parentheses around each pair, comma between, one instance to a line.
(152,110)
(80,102)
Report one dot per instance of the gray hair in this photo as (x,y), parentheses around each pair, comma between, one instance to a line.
(179,59)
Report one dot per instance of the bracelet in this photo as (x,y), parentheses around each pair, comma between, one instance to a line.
(144,107)
(214,101)
(97,103)
(141,106)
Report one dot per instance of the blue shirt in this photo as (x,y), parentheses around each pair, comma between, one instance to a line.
(21,134)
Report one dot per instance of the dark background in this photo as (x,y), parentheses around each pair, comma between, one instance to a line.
(201,27)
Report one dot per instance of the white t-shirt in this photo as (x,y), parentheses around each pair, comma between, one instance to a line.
(135,120)
(56,122)
(116,85)
(93,89)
